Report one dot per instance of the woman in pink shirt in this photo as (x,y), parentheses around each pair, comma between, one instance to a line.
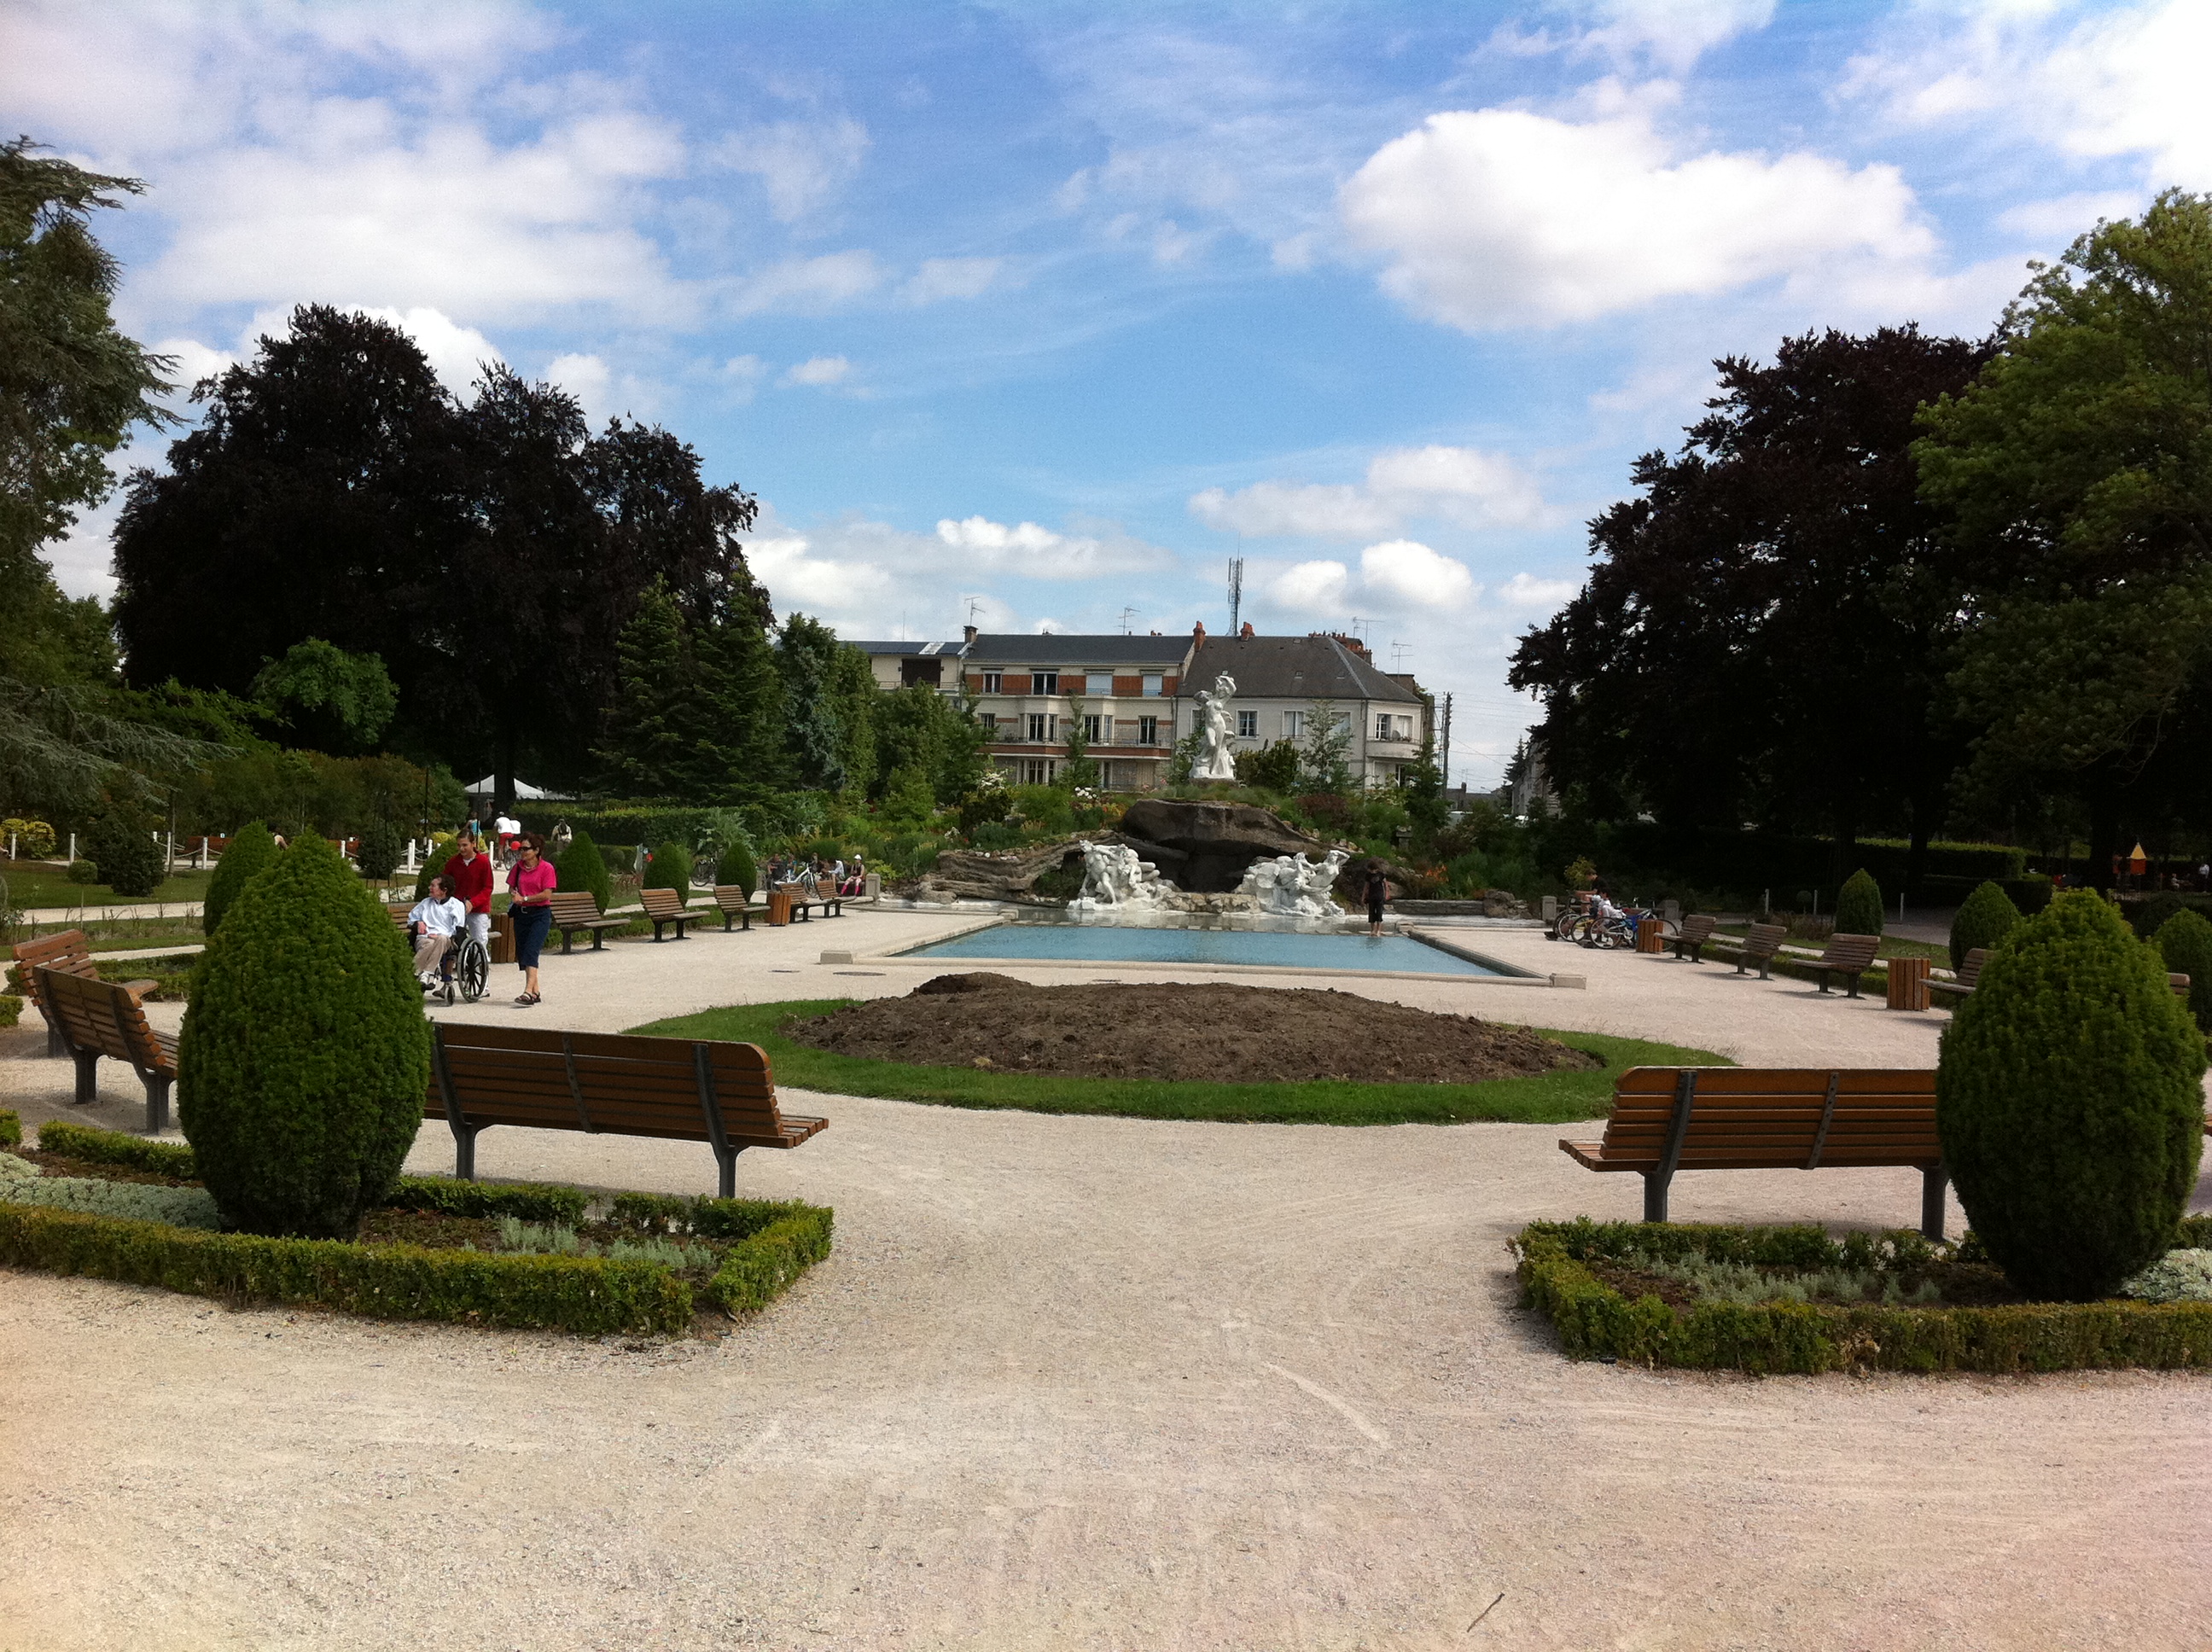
(530,882)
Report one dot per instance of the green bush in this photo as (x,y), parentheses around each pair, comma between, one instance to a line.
(1858,905)
(2068,1103)
(253,847)
(96,1146)
(1984,919)
(738,866)
(81,871)
(305,1052)
(11,1009)
(2147,917)
(379,853)
(670,868)
(1271,767)
(441,851)
(22,1182)
(11,1128)
(2185,941)
(582,867)
(121,844)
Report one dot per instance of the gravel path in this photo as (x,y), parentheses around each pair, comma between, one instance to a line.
(1083,1382)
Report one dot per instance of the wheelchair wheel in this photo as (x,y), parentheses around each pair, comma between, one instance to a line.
(473,972)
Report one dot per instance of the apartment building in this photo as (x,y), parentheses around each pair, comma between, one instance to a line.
(1280,680)
(1125,689)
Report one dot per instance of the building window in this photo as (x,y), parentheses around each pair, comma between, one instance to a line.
(1247,725)
(1043,682)
(1294,725)
(1039,725)
(1382,727)
(1148,731)
(994,682)
(1037,771)
(989,720)
(1091,730)
(1101,682)
(1152,684)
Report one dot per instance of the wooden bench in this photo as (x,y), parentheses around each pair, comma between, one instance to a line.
(1759,946)
(612,1083)
(579,909)
(102,1018)
(665,907)
(1689,941)
(66,951)
(736,903)
(1670,1119)
(1847,955)
(1970,976)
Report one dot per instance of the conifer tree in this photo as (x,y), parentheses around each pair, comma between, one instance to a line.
(252,848)
(651,727)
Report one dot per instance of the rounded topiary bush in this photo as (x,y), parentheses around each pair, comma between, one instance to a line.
(1858,905)
(738,866)
(304,1054)
(582,867)
(121,844)
(2184,940)
(82,871)
(1984,919)
(2068,1103)
(379,852)
(253,847)
(2148,917)
(669,868)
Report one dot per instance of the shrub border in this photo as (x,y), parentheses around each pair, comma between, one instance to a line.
(1596,1322)
(777,1241)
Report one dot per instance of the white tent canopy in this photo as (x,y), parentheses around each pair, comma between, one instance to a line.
(524,792)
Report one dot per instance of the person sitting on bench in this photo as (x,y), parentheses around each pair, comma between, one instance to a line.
(435,920)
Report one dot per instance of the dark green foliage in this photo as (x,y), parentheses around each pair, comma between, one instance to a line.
(582,866)
(2068,1103)
(97,1146)
(1984,919)
(670,868)
(305,1053)
(121,844)
(1273,768)
(379,850)
(2147,917)
(527,1201)
(1858,905)
(1596,1322)
(699,714)
(326,699)
(82,871)
(252,848)
(2184,940)
(11,1128)
(738,866)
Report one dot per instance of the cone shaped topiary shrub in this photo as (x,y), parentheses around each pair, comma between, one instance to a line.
(2068,1103)
(253,847)
(2184,940)
(669,868)
(121,844)
(304,1054)
(1984,919)
(738,866)
(582,867)
(1858,905)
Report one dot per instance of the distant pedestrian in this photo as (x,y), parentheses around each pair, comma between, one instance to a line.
(531,882)
(1378,891)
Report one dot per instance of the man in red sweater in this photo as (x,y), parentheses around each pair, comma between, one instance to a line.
(470,870)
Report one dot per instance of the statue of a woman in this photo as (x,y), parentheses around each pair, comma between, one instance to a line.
(1216,761)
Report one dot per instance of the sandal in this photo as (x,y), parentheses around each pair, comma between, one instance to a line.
(527,999)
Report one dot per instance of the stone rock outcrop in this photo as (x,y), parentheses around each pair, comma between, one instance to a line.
(974,875)
(1204,848)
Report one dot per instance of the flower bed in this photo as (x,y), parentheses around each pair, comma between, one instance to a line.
(1779,1299)
(116,1206)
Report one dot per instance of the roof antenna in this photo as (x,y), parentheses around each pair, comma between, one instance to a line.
(1236,586)
(974,605)
(1398,653)
(1127,616)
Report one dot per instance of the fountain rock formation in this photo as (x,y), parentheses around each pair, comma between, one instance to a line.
(1291,886)
(1206,846)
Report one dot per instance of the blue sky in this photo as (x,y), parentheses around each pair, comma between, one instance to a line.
(1044,312)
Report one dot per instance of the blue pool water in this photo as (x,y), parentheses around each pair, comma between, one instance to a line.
(1109,945)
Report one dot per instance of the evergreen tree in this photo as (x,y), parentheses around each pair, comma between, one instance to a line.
(253,847)
(582,866)
(1324,760)
(121,844)
(1079,770)
(2185,941)
(670,868)
(651,725)
(1858,905)
(741,742)
(1984,919)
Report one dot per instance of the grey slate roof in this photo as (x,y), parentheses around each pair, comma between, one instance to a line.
(948,650)
(1021,649)
(1292,668)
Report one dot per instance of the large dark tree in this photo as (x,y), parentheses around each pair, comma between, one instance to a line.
(1764,632)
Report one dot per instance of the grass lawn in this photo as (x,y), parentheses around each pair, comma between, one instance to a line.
(36,883)
(1551,1098)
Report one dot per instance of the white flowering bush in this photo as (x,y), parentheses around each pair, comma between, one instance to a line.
(22,1182)
(2177,1276)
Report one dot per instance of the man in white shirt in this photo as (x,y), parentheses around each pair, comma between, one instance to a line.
(435,920)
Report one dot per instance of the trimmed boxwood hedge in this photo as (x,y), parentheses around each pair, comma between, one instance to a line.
(1596,1322)
(776,1241)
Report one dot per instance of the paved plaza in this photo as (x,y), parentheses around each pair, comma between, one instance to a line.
(1084,1382)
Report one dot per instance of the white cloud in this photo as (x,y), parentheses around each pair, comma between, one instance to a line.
(808,286)
(802,165)
(1315,587)
(1038,553)
(939,279)
(1526,591)
(1497,218)
(740,376)
(1464,485)
(586,377)
(819,370)
(2062,218)
(1674,33)
(1400,576)
(2127,82)
(457,354)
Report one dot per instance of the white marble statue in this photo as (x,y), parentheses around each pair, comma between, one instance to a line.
(1117,883)
(1291,886)
(1216,761)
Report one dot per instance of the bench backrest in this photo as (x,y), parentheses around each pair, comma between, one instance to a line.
(1765,939)
(661,903)
(65,952)
(102,1015)
(1802,1117)
(1970,972)
(614,1082)
(732,897)
(576,906)
(1851,952)
(1698,926)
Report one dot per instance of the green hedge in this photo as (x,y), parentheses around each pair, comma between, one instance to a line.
(11,1009)
(1596,1322)
(779,1240)
(96,1146)
(11,1129)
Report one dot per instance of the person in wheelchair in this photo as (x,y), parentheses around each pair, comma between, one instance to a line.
(433,924)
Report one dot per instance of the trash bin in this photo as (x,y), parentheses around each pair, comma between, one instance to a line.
(779,907)
(1908,983)
(1650,934)
(501,948)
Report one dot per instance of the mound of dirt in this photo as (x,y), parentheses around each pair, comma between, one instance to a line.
(1222,1033)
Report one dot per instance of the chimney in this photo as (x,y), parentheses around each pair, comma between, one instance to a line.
(1197,632)
(1247,631)
(970,631)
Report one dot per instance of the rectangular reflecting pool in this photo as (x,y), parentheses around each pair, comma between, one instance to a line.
(1106,944)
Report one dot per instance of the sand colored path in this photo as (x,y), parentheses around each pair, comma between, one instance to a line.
(1076,1382)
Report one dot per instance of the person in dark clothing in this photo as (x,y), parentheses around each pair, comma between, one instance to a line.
(1378,891)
